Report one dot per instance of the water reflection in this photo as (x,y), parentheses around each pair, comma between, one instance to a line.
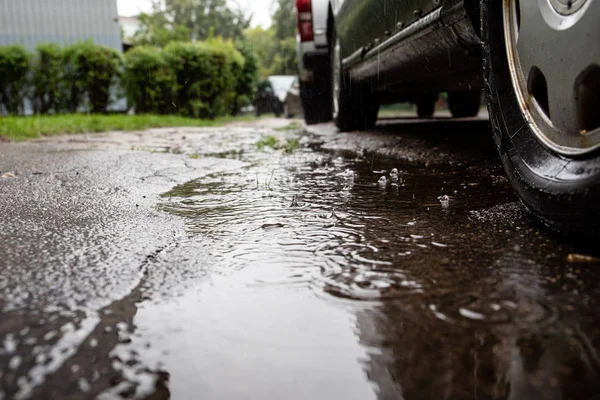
(453,291)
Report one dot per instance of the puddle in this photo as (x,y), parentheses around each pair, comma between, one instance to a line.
(343,277)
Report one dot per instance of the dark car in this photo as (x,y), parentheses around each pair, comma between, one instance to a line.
(271,94)
(538,61)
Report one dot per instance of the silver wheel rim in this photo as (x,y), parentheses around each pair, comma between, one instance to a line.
(554,62)
(337,75)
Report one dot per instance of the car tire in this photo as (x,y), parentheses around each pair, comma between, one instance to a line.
(354,105)
(426,106)
(316,98)
(562,190)
(464,104)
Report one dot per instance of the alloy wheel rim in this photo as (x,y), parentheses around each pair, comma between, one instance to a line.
(554,63)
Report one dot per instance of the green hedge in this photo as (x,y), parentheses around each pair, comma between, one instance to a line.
(191,79)
(46,79)
(149,81)
(205,77)
(205,80)
(15,64)
(247,80)
(90,71)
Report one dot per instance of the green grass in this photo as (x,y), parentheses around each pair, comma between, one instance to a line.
(292,126)
(23,128)
(288,145)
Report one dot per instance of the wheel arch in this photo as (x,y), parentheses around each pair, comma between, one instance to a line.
(473,9)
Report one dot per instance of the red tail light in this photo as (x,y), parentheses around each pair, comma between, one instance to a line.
(305,22)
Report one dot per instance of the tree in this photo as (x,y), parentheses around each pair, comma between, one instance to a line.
(185,20)
(284,19)
(263,44)
(286,59)
(157,32)
(276,46)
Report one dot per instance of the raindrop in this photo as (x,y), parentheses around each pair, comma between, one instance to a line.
(84,386)
(445,200)
(14,363)
(471,314)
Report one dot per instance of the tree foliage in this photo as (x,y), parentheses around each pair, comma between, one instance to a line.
(276,46)
(190,20)
(159,34)
(284,19)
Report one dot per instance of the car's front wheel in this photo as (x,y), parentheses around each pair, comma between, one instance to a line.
(354,105)
(542,73)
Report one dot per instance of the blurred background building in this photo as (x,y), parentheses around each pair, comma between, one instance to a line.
(31,22)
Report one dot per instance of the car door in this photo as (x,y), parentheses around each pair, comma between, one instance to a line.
(361,23)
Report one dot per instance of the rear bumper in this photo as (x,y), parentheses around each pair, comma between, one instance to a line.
(311,59)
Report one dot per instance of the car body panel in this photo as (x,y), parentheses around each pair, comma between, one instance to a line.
(361,22)
(434,52)
(312,54)
(320,10)
(403,47)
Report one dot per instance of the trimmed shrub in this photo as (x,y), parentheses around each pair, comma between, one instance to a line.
(205,76)
(247,79)
(90,71)
(202,80)
(46,78)
(15,62)
(149,81)
(230,71)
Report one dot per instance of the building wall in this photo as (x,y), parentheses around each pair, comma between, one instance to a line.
(30,22)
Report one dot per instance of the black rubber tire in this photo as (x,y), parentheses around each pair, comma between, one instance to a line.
(357,103)
(316,98)
(464,104)
(426,106)
(562,191)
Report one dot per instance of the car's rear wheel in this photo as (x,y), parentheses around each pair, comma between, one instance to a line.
(464,104)
(316,98)
(541,66)
(426,106)
(354,105)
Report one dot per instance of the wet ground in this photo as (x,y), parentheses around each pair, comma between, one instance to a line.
(262,261)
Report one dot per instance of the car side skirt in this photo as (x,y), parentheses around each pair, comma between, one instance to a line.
(438,52)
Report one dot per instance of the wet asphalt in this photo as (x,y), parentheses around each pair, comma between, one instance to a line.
(264,260)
